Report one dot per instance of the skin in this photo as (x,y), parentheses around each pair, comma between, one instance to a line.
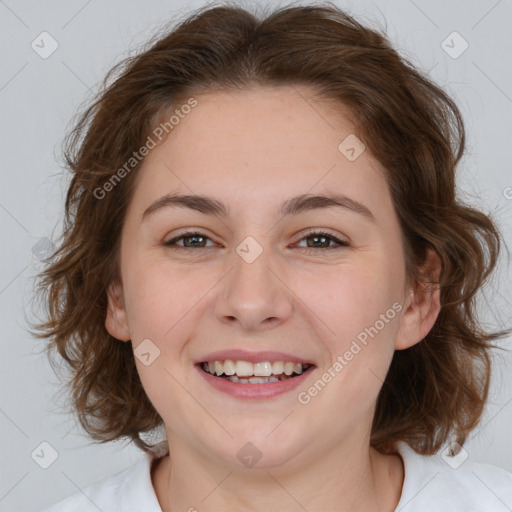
(253,150)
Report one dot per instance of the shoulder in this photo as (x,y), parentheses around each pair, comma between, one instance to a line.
(129,489)
(452,484)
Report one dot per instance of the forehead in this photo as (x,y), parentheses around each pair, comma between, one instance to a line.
(283,120)
(260,145)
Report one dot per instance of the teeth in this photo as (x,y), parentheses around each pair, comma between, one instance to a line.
(263,369)
(244,369)
(277,367)
(253,380)
(288,368)
(229,367)
(261,380)
(259,371)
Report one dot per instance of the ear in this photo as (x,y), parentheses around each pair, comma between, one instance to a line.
(422,306)
(116,321)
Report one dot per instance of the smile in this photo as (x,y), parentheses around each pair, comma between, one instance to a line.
(262,380)
(263,372)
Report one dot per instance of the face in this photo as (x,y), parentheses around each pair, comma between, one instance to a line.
(258,280)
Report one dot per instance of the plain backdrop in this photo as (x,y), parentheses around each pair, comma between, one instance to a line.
(39,97)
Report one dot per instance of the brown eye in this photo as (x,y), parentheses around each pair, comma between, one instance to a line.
(191,239)
(320,239)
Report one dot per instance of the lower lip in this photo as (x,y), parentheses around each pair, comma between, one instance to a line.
(254,391)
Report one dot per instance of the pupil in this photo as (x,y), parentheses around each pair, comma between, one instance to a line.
(317,237)
(191,237)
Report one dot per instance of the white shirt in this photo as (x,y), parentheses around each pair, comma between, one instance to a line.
(430,484)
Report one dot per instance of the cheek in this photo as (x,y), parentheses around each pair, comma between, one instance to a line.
(356,304)
(348,300)
(159,297)
(159,310)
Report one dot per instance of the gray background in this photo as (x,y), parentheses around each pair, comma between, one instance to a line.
(38,99)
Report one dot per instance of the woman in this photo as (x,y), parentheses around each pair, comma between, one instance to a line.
(264,256)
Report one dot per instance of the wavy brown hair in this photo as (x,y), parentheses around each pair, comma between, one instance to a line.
(435,390)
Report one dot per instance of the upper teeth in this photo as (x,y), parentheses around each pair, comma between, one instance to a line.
(248,369)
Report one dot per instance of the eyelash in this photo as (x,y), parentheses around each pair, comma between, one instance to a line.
(187,234)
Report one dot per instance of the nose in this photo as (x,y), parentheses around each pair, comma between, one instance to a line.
(254,294)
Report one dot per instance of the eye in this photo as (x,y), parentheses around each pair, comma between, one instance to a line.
(321,237)
(193,236)
(192,239)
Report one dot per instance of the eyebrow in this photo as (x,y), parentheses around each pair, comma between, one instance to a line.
(293,206)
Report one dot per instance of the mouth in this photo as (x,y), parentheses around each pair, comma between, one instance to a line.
(245,372)
(259,380)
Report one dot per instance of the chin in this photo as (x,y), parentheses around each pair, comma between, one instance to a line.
(257,451)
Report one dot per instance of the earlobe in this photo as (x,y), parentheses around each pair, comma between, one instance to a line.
(423,305)
(116,321)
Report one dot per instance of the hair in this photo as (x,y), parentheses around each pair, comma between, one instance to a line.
(433,390)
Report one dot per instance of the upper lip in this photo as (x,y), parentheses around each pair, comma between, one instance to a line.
(252,357)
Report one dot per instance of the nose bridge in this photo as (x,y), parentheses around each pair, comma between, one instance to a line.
(253,295)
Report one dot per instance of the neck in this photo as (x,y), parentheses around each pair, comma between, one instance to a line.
(354,478)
